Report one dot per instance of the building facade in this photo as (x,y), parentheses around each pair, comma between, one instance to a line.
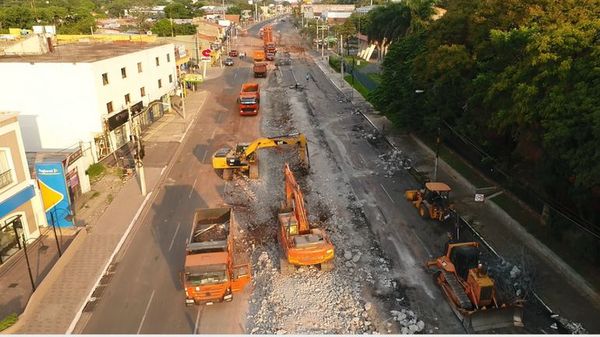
(21,209)
(88,92)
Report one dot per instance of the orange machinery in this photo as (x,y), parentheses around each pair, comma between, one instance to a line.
(210,272)
(470,291)
(249,99)
(301,245)
(269,43)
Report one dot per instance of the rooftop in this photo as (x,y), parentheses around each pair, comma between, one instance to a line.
(83,52)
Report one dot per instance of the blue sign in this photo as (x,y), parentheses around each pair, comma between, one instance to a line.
(55,196)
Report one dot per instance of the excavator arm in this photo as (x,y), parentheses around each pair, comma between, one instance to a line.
(295,199)
(292,139)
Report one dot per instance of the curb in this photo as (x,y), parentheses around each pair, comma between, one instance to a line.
(49,280)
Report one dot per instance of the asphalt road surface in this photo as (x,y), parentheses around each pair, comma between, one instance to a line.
(145,294)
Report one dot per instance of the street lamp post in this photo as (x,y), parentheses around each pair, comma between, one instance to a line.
(55,236)
(16,223)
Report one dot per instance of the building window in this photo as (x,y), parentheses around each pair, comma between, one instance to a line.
(109,107)
(105,78)
(143,91)
(123,72)
(6,170)
(168,57)
(139,67)
(159,84)
(127,99)
(157,61)
(170,78)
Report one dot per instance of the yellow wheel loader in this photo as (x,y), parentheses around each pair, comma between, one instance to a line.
(433,201)
(243,157)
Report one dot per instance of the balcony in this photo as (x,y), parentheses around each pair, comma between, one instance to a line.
(6,178)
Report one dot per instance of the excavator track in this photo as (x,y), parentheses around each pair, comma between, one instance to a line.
(458,290)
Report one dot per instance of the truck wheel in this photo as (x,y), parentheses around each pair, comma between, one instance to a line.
(227,174)
(423,211)
(327,266)
(253,170)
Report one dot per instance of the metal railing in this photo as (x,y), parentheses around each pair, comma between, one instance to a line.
(6,178)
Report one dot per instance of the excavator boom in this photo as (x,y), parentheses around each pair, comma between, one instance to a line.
(295,199)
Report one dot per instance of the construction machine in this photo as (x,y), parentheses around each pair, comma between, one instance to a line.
(470,291)
(301,245)
(213,271)
(433,201)
(243,157)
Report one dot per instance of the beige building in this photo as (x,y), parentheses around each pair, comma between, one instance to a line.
(21,209)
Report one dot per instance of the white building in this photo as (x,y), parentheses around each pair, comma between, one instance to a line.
(80,93)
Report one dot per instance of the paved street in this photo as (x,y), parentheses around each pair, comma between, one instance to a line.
(142,292)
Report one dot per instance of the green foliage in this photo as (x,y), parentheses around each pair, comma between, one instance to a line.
(8,321)
(165,27)
(95,170)
(519,78)
(234,10)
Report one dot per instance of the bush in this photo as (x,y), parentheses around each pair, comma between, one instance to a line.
(334,62)
(8,321)
(95,170)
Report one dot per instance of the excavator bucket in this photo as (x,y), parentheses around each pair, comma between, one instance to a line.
(490,319)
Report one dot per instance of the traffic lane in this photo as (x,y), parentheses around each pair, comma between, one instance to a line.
(225,318)
(154,236)
(384,208)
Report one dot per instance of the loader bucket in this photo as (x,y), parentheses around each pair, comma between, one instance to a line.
(490,319)
(411,195)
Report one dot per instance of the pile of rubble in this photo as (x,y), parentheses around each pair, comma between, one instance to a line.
(408,321)
(393,162)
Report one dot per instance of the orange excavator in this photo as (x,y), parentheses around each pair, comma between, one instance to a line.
(301,245)
(471,292)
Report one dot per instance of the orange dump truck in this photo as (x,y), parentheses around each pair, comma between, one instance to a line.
(258,55)
(249,99)
(259,69)
(211,274)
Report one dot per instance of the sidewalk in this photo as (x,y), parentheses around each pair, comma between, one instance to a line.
(561,287)
(61,296)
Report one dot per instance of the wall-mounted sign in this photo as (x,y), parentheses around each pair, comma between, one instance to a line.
(118,120)
(206,52)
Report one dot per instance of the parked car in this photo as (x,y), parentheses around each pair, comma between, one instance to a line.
(270,56)
(228,61)
(233,53)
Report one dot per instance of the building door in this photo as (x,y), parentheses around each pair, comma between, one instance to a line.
(73,185)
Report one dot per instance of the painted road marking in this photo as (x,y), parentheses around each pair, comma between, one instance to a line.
(204,156)
(145,312)
(137,214)
(213,134)
(174,235)
(197,321)
(422,243)
(386,192)
(193,186)
(362,159)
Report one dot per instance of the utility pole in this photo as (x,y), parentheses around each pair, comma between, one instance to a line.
(437,151)
(196,40)
(323,40)
(342,57)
